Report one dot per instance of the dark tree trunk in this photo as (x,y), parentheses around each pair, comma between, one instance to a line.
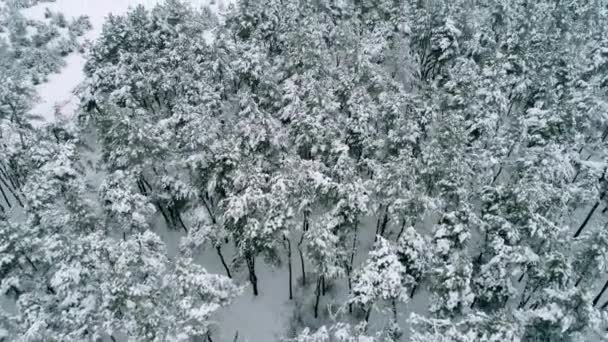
(599,295)
(10,189)
(378,224)
(323,286)
(317,296)
(219,253)
(253,278)
(524,301)
(289,268)
(385,220)
(589,215)
(8,177)
(413,292)
(523,274)
(8,203)
(302,266)
(167,219)
(349,269)
(179,219)
(394,308)
(304,229)
(400,231)
(473,303)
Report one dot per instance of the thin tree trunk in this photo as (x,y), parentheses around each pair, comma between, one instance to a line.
(578,171)
(317,297)
(413,292)
(368,313)
(599,295)
(289,268)
(12,192)
(394,308)
(322,285)
(8,203)
(112,338)
(302,265)
(219,253)
(179,219)
(167,220)
(378,223)
(400,231)
(9,178)
(253,278)
(385,220)
(501,166)
(304,229)
(589,215)
(525,301)
(349,269)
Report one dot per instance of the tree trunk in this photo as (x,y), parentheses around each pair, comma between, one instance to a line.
(302,265)
(523,274)
(179,219)
(323,286)
(317,297)
(167,219)
(385,220)
(289,268)
(400,231)
(589,215)
(8,177)
(8,203)
(253,278)
(378,223)
(599,295)
(394,308)
(524,301)
(349,269)
(219,253)
(413,292)
(304,229)
(12,192)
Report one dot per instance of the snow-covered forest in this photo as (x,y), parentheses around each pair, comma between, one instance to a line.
(304,171)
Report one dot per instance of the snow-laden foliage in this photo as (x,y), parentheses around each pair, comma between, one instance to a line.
(454,150)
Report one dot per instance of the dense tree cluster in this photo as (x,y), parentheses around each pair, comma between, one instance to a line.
(464,142)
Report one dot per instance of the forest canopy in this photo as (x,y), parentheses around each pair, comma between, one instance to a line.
(429,170)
